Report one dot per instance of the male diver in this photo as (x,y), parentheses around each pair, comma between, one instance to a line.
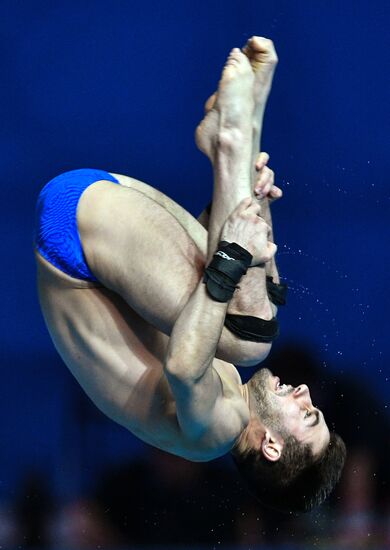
(150,310)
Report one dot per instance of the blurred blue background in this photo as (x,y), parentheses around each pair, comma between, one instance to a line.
(120,86)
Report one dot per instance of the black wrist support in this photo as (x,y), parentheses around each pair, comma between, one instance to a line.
(225,270)
(276,292)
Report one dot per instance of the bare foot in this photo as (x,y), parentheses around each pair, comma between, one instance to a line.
(263,59)
(230,116)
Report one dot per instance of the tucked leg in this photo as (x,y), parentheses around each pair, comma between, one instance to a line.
(143,252)
(137,247)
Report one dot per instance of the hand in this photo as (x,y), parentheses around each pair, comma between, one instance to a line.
(245,227)
(264,186)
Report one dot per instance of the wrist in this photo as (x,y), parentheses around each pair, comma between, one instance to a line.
(229,263)
(235,251)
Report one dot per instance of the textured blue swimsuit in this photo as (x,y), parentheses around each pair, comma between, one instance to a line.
(56,235)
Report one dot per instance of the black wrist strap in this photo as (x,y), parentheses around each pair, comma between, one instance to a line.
(229,264)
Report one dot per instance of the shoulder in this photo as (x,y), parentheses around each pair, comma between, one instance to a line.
(226,422)
(230,414)
(212,407)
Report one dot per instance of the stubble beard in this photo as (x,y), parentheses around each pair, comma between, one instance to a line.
(265,404)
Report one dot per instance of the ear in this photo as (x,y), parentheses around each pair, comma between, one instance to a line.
(271,447)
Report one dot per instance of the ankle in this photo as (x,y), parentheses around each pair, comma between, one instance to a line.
(252,298)
(229,140)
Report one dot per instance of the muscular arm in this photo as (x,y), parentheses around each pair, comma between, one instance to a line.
(189,368)
(192,346)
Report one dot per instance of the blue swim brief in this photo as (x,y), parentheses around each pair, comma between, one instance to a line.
(56,235)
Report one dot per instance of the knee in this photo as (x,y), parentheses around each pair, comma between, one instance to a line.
(243,353)
(253,353)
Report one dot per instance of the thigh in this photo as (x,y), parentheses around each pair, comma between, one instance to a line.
(192,225)
(138,248)
(113,353)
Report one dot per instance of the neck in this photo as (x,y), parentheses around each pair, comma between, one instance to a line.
(252,435)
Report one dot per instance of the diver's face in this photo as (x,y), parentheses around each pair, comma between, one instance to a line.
(287,409)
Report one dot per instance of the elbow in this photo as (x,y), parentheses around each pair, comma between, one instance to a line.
(172,367)
(176,370)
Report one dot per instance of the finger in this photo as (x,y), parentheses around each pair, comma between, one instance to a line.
(210,102)
(276,192)
(243,205)
(260,196)
(267,189)
(262,160)
(253,209)
(266,176)
(264,189)
(271,251)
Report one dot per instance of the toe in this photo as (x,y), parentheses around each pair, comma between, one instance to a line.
(234,56)
(210,102)
(263,49)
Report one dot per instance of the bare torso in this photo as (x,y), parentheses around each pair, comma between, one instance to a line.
(117,357)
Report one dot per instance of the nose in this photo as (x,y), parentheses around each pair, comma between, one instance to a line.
(302,393)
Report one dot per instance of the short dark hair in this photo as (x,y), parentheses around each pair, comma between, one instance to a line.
(298,481)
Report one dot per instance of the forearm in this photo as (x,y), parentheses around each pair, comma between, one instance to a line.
(195,336)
